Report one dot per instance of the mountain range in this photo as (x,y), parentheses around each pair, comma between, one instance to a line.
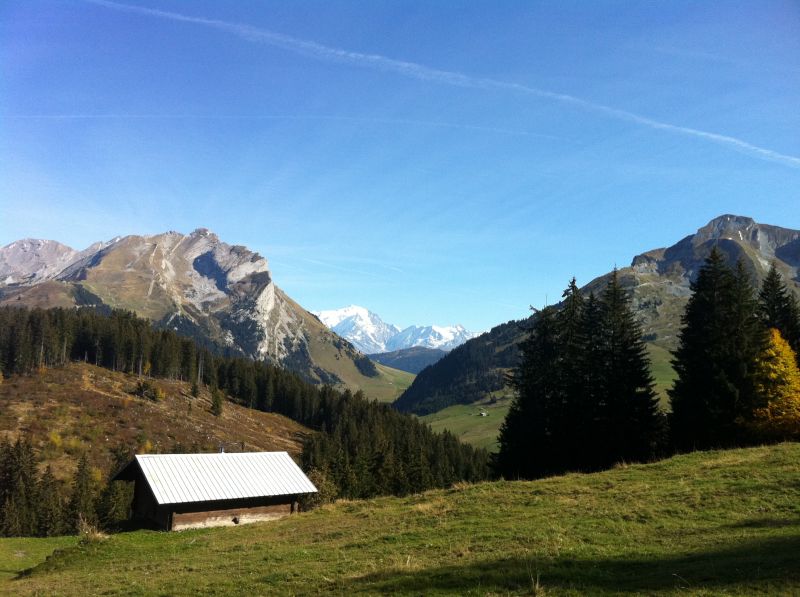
(202,287)
(371,335)
(658,283)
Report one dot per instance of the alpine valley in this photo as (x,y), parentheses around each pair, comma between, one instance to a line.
(222,295)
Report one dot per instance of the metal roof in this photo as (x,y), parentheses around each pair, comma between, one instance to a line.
(181,478)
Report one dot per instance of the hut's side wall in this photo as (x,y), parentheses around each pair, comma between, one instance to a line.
(230,512)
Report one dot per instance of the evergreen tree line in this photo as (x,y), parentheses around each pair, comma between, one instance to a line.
(370,449)
(402,453)
(584,395)
(34,503)
(737,360)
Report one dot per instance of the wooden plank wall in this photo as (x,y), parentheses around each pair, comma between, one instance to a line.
(228,517)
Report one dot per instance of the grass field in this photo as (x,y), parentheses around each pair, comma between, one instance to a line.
(20,553)
(388,386)
(662,371)
(702,524)
(465,421)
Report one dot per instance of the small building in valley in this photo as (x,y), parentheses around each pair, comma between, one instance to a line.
(182,491)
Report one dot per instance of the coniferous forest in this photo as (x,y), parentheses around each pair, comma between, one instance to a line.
(362,448)
(584,394)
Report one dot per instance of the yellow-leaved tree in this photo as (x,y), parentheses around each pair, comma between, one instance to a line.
(778,384)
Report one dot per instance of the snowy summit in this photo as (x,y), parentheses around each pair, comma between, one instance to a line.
(371,335)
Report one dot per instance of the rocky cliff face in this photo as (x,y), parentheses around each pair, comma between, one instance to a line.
(194,283)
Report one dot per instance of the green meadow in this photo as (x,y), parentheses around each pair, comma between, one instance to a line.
(712,523)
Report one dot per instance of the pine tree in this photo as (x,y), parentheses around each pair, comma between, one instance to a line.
(779,309)
(50,507)
(527,440)
(574,413)
(719,342)
(82,502)
(216,402)
(20,494)
(628,420)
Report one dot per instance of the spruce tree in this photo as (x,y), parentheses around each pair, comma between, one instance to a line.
(574,416)
(779,309)
(50,508)
(19,506)
(528,436)
(628,420)
(714,362)
(216,402)
(81,505)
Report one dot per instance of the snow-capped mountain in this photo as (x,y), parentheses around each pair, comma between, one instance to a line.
(370,334)
(430,336)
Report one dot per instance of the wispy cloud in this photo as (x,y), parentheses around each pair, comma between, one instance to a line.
(421,72)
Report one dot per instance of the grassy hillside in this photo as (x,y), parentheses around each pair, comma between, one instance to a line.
(466,422)
(704,524)
(662,372)
(388,385)
(83,408)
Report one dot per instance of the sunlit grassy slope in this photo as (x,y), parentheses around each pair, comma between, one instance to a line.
(20,553)
(388,385)
(662,371)
(466,422)
(384,387)
(701,524)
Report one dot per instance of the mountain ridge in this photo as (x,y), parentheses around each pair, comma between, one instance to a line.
(413,359)
(196,284)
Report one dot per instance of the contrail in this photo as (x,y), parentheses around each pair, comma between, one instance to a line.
(455,79)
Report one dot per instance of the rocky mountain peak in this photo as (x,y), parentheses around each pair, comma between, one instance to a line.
(33,259)
(727,226)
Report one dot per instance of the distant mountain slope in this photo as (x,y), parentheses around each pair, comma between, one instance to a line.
(81,408)
(413,359)
(195,284)
(658,282)
(371,335)
(466,374)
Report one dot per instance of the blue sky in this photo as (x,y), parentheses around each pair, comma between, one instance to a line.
(436,162)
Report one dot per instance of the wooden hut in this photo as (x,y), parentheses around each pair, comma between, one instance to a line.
(182,491)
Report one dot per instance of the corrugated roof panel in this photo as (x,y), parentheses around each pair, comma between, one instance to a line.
(180,478)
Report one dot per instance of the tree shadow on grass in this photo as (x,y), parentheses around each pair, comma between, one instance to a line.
(765,564)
